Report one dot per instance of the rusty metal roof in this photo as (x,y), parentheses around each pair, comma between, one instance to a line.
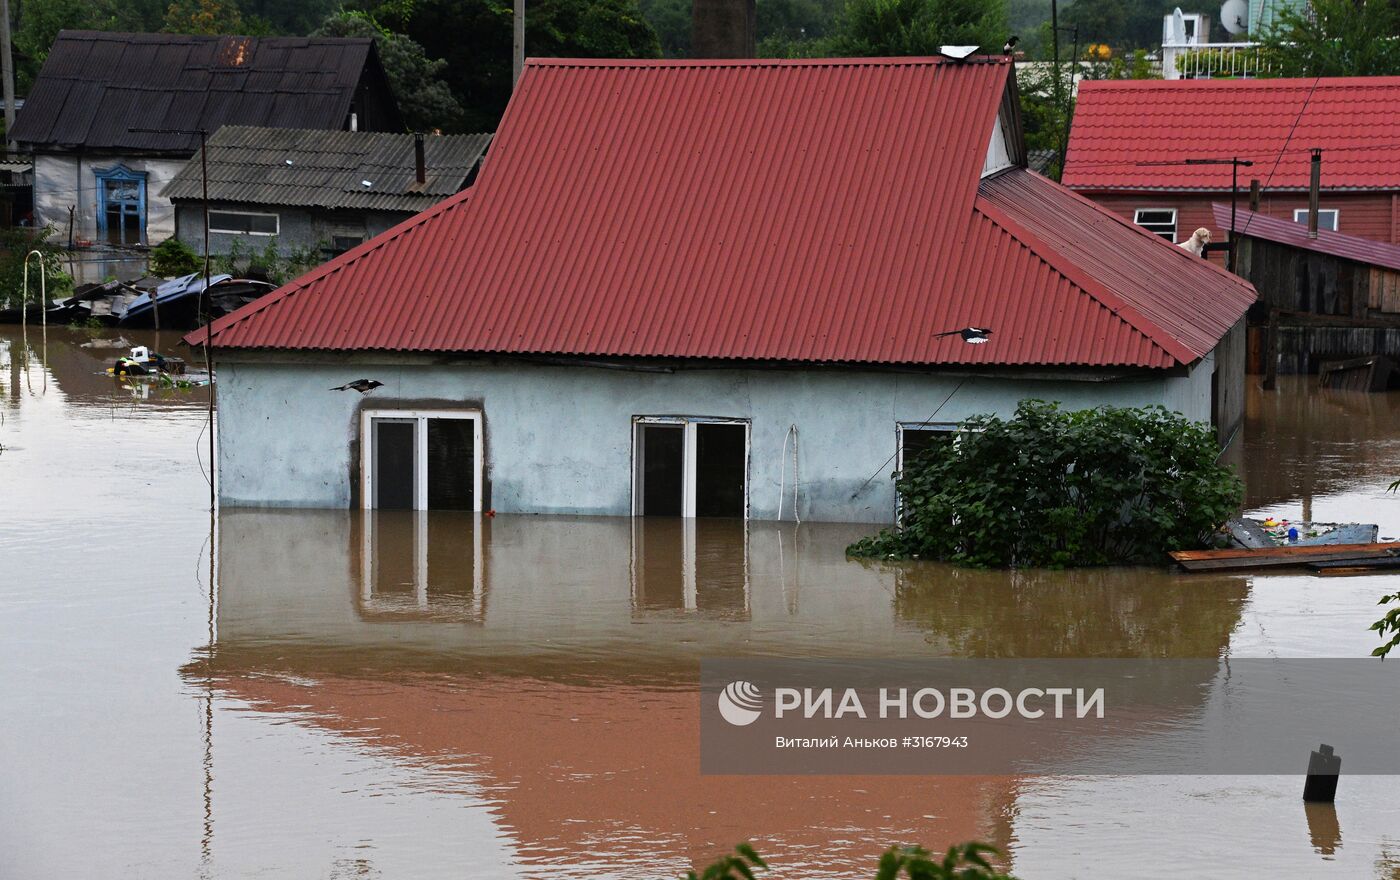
(328,169)
(96,86)
(1337,244)
(1126,131)
(823,210)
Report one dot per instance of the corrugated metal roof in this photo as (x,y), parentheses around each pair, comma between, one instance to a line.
(328,169)
(1360,250)
(96,86)
(770,210)
(1119,124)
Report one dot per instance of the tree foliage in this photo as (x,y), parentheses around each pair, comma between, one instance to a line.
(474,38)
(1050,488)
(424,99)
(203,17)
(902,27)
(16,244)
(1336,38)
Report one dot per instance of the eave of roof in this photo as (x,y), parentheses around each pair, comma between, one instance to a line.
(1337,244)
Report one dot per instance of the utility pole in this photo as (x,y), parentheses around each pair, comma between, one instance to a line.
(518,53)
(7,72)
(1235,163)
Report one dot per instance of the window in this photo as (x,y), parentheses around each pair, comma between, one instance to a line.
(121,205)
(1160,221)
(421,460)
(915,437)
(690,466)
(1326,218)
(243,223)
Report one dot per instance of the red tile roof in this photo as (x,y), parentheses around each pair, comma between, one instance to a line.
(757,210)
(1360,250)
(1119,124)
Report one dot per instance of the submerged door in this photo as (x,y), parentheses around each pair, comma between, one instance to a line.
(422,460)
(690,467)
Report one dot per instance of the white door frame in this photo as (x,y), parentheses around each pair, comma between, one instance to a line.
(420,451)
(689,425)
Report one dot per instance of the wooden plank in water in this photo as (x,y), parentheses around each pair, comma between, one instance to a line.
(1284,557)
(1329,568)
(1284,550)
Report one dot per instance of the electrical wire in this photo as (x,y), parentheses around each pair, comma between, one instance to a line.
(924,424)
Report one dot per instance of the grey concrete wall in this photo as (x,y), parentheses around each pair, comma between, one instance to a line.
(299,227)
(64,179)
(559,439)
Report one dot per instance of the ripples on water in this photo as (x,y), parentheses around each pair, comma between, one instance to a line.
(411,695)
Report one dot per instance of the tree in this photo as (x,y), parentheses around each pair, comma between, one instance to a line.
(904,27)
(424,99)
(203,17)
(474,38)
(1336,38)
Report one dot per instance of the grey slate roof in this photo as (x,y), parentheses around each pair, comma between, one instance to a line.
(328,169)
(95,86)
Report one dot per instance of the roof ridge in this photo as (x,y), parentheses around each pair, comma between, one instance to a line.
(1148,328)
(706,63)
(353,255)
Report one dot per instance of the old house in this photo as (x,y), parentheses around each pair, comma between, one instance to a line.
(715,288)
(1321,299)
(1133,141)
(315,188)
(113,117)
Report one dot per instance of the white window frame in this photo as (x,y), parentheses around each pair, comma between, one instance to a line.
(1176,220)
(900,427)
(420,451)
(1300,215)
(689,424)
(213,228)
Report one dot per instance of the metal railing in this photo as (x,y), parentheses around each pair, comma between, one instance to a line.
(1212,60)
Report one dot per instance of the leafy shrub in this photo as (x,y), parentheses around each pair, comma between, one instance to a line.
(1050,488)
(172,258)
(966,861)
(16,244)
(269,263)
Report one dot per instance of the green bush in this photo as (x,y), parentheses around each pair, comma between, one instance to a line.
(1050,488)
(16,243)
(172,258)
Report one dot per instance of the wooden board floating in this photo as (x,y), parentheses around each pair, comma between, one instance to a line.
(1290,556)
(1336,567)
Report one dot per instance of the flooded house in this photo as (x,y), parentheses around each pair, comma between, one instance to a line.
(1137,147)
(315,189)
(715,289)
(113,117)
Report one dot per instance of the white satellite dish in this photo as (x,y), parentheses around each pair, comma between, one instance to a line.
(1234,16)
(957,52)
(1178,26)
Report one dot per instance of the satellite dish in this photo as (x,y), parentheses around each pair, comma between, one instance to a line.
(957,52)
(1178,26)
(1234,15)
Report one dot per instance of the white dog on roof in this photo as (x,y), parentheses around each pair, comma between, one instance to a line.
(1196,244)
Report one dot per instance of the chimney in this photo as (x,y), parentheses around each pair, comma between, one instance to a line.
(354,121)
(420,165)
(723,29)
(1314,191)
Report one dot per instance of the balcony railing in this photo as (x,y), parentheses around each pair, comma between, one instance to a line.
(1212,60)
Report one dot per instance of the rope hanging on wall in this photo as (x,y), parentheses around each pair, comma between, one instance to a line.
(782,474)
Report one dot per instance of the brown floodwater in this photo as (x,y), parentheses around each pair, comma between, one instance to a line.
(414,695)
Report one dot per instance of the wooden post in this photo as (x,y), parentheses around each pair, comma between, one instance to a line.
(1271,352)
(1254,195)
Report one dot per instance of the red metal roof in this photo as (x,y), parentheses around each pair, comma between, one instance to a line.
(763,210)
(1360,250)
(1119,124)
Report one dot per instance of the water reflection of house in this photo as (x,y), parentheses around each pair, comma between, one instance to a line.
(92,169)
(569,701)
(715,288)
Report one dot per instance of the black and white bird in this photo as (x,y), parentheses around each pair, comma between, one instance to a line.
(1010,45)
(970,335)
(364,386)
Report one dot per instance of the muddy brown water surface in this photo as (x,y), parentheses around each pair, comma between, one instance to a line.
(438,696)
